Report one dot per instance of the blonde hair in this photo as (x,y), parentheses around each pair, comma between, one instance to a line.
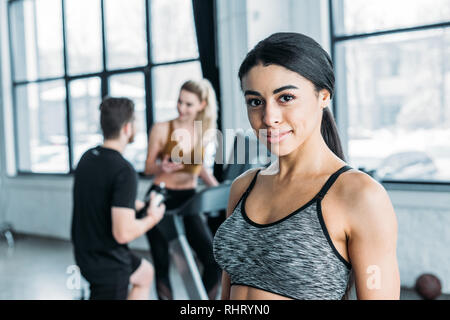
(208,116)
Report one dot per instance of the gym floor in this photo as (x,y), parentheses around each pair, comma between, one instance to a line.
(37,268)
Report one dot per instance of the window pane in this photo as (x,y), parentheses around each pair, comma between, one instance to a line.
(132,86)
(41,127)
(167,81)
(84,42)
(362,16)
(126,40)
(85,115)
(398,99)
(36,30)
(173,31)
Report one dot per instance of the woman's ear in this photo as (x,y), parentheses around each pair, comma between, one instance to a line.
(203,105)
(324,98)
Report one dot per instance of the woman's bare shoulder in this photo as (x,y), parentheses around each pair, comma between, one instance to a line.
(245,178)
(355,186)
(366,202)
(161,126)
(159,131)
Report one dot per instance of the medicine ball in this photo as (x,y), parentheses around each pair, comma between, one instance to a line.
(428,286)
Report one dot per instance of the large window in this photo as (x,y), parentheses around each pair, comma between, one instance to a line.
(392,63)
(68,54)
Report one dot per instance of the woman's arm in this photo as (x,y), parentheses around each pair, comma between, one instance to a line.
(225,295)
(208,161)
(207,176)
(155,145)
(153,149)
(372,241)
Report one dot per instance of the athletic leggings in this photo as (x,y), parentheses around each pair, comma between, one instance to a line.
(198,235)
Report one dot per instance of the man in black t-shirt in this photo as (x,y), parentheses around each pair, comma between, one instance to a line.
(104,216)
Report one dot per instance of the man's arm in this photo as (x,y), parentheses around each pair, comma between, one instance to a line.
(125,226)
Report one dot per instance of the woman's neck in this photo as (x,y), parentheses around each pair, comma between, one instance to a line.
(185,124)
(190,131)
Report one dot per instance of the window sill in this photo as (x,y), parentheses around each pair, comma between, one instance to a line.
(389,185)
(416,186)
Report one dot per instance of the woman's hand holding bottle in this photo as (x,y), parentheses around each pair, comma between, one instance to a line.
(168,166)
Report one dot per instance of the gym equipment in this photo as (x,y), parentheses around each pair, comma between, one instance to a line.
(208,200)
(428,286)
(5,227)
(239,163)
(6,231)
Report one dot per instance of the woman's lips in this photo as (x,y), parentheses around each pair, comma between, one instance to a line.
(271,138)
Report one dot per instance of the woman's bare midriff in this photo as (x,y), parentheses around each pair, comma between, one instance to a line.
(177,180)
(241,292)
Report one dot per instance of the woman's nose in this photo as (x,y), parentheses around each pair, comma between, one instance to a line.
(272,114)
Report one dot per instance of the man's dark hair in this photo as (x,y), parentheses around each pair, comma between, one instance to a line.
(114,114)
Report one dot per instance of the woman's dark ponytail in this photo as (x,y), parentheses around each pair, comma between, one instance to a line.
(330,133)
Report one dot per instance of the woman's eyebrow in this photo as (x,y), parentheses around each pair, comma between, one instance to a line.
(253,93)
(256,93)
(284,88)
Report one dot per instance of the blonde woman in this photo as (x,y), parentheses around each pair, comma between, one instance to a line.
(175,155)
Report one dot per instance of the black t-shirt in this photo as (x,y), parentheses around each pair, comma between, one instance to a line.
(103,179)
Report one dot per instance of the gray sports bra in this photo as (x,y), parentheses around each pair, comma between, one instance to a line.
(293,257)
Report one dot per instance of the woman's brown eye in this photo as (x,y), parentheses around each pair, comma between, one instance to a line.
(253,102)
(286,98)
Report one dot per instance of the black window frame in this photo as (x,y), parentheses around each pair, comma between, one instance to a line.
(410,185)
(104,75)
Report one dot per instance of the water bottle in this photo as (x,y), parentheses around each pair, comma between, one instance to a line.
(161,193)
(160,197)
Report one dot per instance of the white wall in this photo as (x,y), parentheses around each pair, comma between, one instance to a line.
(42,205)
(306,16)
(232,48)
(423,235)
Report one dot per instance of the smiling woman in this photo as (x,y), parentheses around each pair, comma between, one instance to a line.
(291,240)
(311,64)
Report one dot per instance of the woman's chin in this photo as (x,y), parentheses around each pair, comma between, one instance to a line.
(280,152)
(281,149)
(277,149)
(185,118)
